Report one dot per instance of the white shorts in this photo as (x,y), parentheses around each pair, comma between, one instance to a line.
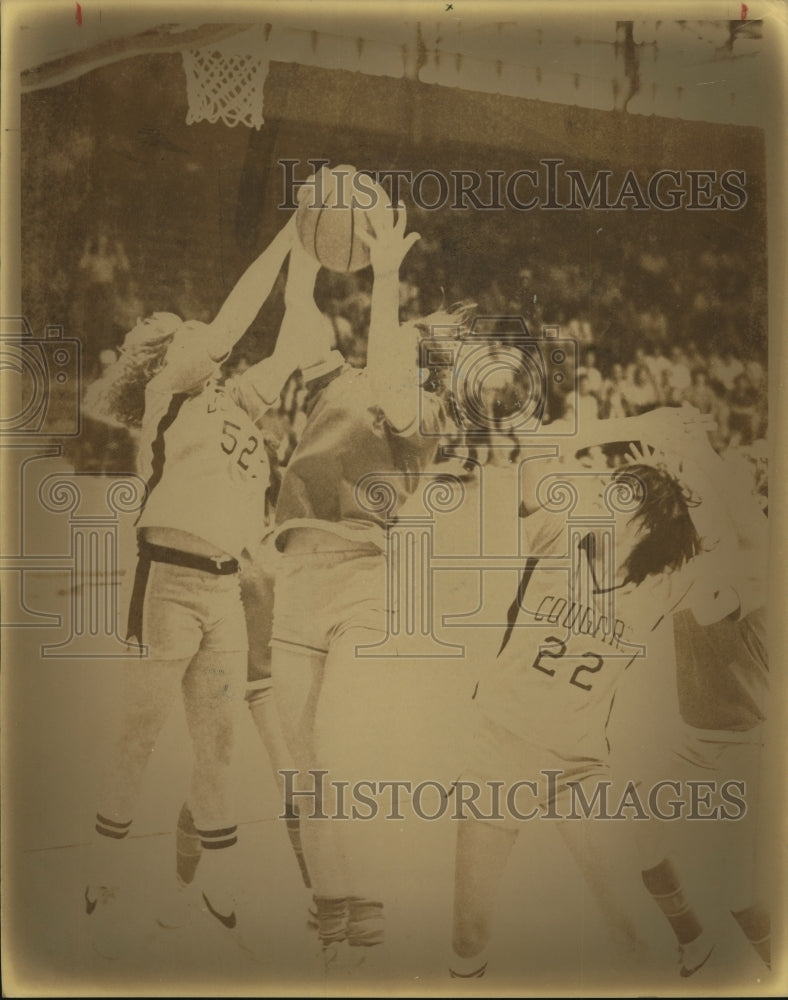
(320,595)
(176,611)
(724,756)
(498,755)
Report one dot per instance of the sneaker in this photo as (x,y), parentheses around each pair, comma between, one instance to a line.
(235,927)
(106,921)
(694,955)
(476,973)
(175,910)
(225,915)
(340,959)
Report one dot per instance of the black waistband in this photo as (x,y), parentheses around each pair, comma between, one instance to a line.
(159,553)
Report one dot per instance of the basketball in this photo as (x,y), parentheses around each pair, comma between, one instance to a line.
(332,211)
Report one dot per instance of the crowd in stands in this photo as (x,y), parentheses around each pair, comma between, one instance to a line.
(629,351)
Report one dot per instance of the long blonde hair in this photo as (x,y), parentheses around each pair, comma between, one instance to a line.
(117,397)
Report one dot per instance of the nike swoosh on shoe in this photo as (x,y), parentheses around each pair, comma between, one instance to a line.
(229,921)
(685,972)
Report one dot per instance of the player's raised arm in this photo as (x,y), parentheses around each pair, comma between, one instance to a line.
(392,351)
(305,340)
(199,347)
(250,292)
(305,329)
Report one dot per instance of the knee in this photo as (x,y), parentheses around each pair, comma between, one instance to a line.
(214,746)
(140,725)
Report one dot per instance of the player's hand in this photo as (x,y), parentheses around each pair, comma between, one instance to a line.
(387,241)
(642,454)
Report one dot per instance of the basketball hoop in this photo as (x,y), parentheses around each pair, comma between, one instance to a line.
(225,80)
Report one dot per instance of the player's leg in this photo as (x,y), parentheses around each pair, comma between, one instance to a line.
(257,592)
(665,884)
(146,692)
(655,842)
(481,854)
(602,863)
(265,715)
(649,754)
(713,757)
(169,637)
(350,714)
(297,674)
(213,698)
(745,841)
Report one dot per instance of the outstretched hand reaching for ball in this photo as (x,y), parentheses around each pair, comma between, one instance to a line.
(392,353)
(386,237)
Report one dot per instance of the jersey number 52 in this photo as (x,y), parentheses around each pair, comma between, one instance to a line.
(230,441)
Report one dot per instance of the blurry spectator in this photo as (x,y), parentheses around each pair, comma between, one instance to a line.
(756,374)
(613,399)
(567,422)
(409,301)
(587,402)
(759,456)
(680,378)
(592,373)
(725,369)
(658,365)
(700,393)
(100,267)
(743,418)
(639,360)
(641,393)
(666,395)
(101,262)
(693,356)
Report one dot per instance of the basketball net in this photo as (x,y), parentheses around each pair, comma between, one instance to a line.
(225,80)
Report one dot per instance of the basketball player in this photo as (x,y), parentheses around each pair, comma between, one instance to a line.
(722,678)
(256,584)
(202,453)
(330,590)
(584,608)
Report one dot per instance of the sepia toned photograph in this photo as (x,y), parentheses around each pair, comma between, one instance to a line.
(393,501)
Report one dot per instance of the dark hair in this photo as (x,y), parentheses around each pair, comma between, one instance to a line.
(437,378)
(670,537)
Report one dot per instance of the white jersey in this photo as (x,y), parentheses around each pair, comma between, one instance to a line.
(203,457)
(570,635)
